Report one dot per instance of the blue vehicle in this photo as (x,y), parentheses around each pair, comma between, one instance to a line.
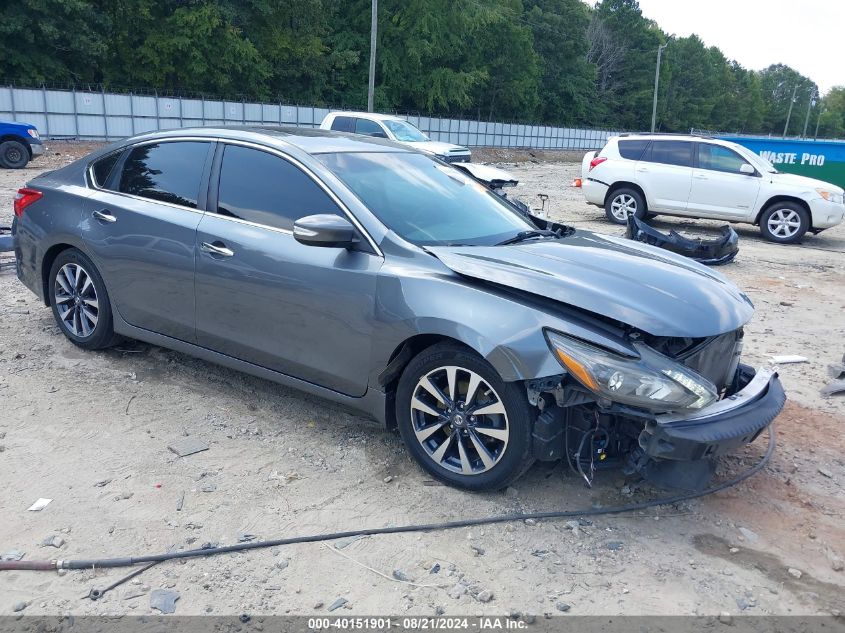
(19,144)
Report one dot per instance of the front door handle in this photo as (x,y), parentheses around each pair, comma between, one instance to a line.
(701,177)
(218,248)
(104,216)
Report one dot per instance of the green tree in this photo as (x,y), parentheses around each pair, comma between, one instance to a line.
(831,117)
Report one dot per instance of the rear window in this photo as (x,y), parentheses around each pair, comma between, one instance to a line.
(343,124)
(167,172)
(670,153)
(632,149)
(101,169)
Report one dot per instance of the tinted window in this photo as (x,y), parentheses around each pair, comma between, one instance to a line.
(633,149)
(169,172)
(671,153)
(102,168)
(343,124)
(424,201)
(719,158)
(365,126)
(263,188)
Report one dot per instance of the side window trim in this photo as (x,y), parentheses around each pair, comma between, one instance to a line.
(214,192)
(111,185)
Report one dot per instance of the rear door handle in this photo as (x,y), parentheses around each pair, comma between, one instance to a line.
(104,216)
(217,248)
(701,177)
(642,169)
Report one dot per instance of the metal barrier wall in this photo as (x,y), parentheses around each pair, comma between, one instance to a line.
(92,115)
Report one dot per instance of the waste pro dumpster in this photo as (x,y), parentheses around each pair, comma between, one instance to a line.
(824,160)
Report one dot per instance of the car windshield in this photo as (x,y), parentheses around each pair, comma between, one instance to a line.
(755,159)
(404,131)
(425,202)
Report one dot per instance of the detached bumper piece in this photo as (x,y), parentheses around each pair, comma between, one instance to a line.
(720,428)
(710,252)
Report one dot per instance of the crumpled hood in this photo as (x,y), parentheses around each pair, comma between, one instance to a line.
(804,182)
(439,148)
(650,289)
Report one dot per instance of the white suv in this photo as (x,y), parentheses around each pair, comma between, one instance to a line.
(396,129)
(702,177)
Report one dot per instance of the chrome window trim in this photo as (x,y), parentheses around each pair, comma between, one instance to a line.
(92,183)
(308,172)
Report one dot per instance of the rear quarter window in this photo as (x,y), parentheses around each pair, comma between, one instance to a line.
(670,153)
(632,149)
(102,168)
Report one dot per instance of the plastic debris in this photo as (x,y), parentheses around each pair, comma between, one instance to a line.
(188,446)
(787,359)
(39,505)
(714,252)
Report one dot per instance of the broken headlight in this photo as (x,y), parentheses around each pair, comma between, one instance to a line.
(652,381)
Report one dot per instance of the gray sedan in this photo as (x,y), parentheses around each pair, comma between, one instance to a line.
(380,278)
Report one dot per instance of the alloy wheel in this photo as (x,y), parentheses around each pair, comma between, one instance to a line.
(784,223)
(622,206)
(459,420)
(76,300)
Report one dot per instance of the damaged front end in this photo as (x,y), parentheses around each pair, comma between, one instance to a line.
(663,416)
(714,252)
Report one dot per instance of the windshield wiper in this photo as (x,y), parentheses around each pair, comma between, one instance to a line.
(526,235)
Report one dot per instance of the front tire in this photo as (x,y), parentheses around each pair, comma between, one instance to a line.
(461,422)
(784,222)
(622,202)
(13,155)
(80,301)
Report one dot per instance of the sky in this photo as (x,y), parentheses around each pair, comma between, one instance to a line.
(807,35)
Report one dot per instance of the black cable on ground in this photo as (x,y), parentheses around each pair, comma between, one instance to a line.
(424,527)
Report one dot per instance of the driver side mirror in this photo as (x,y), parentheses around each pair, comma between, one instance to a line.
(747,169)
(325,229)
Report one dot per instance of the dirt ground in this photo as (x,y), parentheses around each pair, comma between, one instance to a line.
(90,431)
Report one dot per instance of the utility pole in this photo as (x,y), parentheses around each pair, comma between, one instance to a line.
(789,114)
(656,83)
(818,119)
(371,88)
(810,104)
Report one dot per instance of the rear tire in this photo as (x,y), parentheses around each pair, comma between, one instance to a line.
(13,155)
(784,222)
(80,301)
(446,431)
(622,202)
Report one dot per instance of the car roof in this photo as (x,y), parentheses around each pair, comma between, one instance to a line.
(375,116)
(309,140)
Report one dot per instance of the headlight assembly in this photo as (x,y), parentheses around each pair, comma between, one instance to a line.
(652,381)
(830,196)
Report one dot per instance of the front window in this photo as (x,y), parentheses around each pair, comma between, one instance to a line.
(405,132)
(425,202)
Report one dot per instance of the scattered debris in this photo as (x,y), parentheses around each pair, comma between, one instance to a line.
(343,543)
(457,591)
(434,568)
(713,252)
(398,574)
(836,562)
(834,387)
(187,446)
(388,479)
(164,600)
(530,521)
(337,604)
(282,563)
(563,607)
(12,554)
(795,573)
(19,606)
(208,487)
(484,596)
(180,502)
(726,618)
(318,604)
(786,359)
(478,551)
(614,546)
(39,505)
(135,592)
(53,541)
(102,483)
(246,537)
(825,472)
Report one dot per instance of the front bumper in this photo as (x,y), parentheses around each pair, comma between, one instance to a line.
(720,428)
(826,214)
(36,147)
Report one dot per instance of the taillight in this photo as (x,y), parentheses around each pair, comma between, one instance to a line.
(25,197)
(598,160)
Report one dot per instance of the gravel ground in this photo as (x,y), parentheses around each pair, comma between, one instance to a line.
(90,431)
